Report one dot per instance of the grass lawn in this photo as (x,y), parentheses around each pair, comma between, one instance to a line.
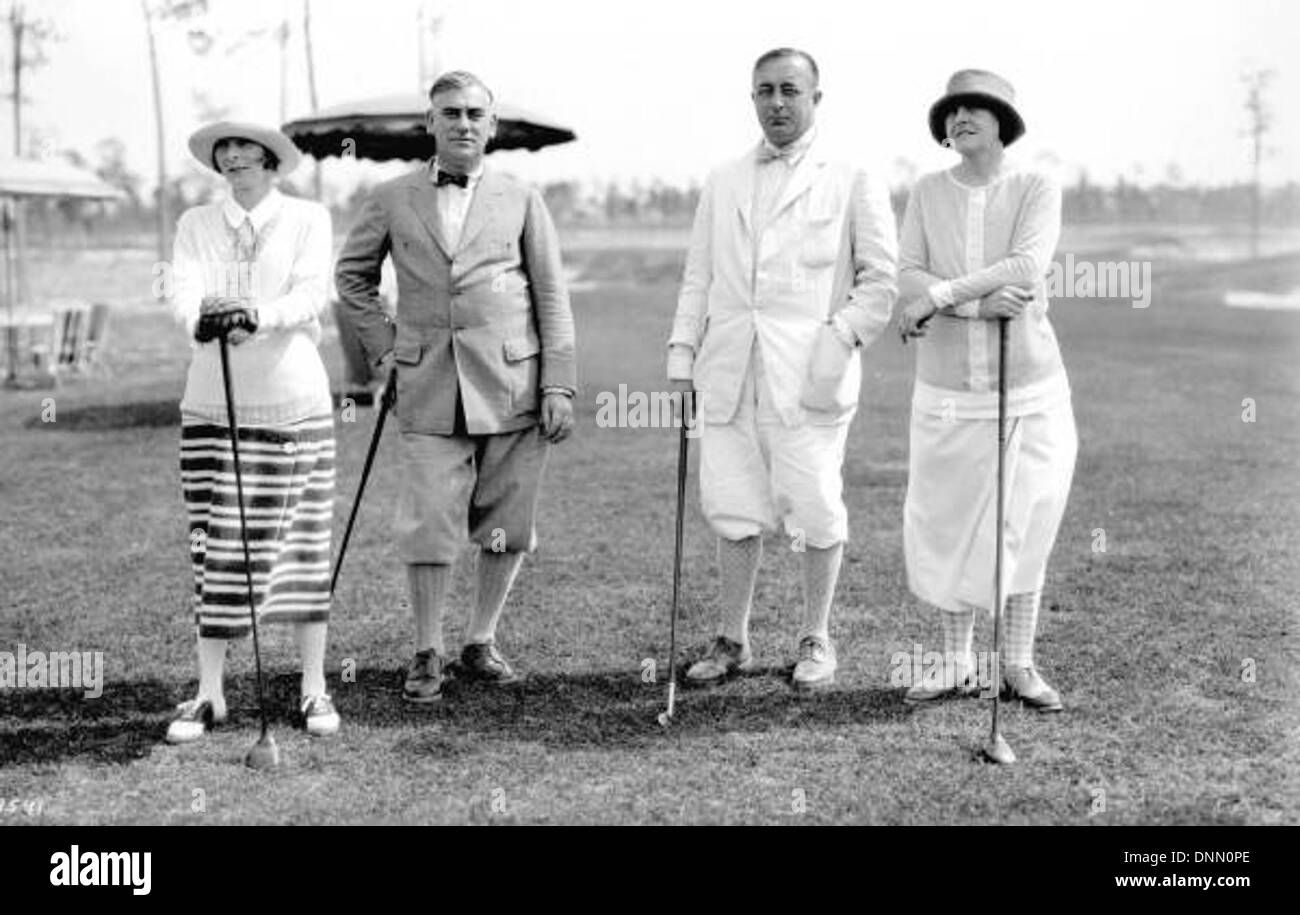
(1175,648)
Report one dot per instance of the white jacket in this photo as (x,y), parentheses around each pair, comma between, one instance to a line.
(830,246)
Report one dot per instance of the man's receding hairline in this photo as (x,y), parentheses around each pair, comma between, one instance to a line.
(787,53)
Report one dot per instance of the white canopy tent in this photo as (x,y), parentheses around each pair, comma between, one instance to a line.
(26,178)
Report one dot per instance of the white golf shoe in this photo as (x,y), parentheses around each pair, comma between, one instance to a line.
(194,718)
(320,716)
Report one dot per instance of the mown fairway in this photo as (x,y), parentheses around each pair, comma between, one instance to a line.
(1175,649)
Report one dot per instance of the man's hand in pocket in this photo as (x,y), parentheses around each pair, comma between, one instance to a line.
(830,361)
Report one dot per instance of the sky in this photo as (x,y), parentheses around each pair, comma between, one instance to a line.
(1144,88)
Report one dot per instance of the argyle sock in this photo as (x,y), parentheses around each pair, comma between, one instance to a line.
(958,632)
(429,584)
(496,575)
(212,664)
(310,638)
(1020,623)
(821,570)
(738,570)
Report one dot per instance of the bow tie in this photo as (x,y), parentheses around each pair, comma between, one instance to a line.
(445,178)
(772,154)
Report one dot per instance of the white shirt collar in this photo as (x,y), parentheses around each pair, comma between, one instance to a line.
(266,210)
(792,153)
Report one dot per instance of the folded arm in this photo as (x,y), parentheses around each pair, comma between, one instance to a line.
(1033,243)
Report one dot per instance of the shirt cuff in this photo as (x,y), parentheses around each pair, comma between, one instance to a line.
(844,331)
(681,362)
(941,294)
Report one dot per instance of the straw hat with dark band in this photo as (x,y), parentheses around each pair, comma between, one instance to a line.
(981,89)
(205,139)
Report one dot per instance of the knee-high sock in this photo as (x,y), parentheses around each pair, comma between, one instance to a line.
(958,631)
(429,584)
(738,571)
(496,575)
(821,570)
(1021,622)
(311,649)
(212,666)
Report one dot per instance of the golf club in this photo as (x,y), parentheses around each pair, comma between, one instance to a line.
(385,404)
(688,419)
(997,749)
(264,754)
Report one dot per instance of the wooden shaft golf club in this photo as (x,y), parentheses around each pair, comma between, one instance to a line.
(683,446)
(995,736)
(386,403)
(243,523)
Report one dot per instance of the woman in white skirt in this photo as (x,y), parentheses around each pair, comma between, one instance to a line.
(977,242)
(255,269)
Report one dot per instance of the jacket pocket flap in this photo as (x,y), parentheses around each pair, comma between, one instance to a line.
(518,350)
(408,353)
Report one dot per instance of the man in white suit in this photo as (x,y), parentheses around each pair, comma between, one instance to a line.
(791,270)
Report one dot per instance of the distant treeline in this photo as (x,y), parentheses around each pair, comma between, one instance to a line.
(574,203)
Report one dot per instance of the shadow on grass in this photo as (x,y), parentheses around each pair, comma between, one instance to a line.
(39,726)
(612,710)
(107,417)
(126,722)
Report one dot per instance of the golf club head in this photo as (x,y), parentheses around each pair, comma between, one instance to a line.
(997,750)
(664,719)
(264,754)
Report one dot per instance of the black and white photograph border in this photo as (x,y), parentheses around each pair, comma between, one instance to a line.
(748,599)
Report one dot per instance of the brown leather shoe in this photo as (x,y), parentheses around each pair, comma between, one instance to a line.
(725,658)
(482,661)
(424,678)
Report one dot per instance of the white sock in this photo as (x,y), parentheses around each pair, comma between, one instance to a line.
(310,638)
(821,571)
(429,584)
(1019,626)
(496,576)
(212,665)
(738,569)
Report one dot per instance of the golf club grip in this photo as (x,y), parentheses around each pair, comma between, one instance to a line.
(385,404)
(243,521)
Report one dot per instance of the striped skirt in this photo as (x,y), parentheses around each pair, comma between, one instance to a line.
(288,476)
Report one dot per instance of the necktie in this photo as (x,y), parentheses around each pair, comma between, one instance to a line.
(246,241)
(445,178)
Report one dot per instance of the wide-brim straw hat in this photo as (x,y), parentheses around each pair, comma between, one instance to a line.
(205,139)
(985,90)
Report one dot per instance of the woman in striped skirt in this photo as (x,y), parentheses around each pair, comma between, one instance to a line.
(976,243)
(254,268)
